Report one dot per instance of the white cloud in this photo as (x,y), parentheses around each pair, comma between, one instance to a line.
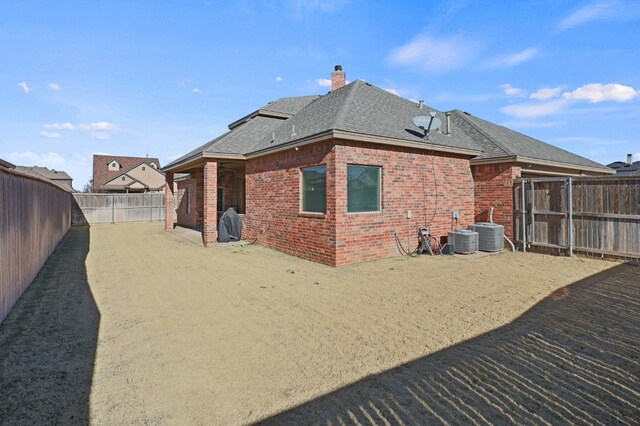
(99,125)
(196,90)
(530,124)
(58,126)
(509,90)
(278,78)
(532,110)
(596,92)
(603,10)
(511,60)
(25,88)
(546,93)
(54,86)
(100,136)
(29,158)
(435,55)
(50,135)
(324,82)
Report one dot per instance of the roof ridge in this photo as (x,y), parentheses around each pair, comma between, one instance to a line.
(347,101)
(462,114)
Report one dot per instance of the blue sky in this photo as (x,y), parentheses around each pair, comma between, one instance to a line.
(162,77)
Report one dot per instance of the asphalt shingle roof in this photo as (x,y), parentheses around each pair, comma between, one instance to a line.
(498,141)
(363,109)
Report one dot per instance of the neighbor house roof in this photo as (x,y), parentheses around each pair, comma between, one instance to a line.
(102,174)
(60,178)
(6,164)
(362,112)
(626,169)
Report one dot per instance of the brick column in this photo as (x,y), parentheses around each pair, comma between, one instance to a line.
(168,200)
(210,211)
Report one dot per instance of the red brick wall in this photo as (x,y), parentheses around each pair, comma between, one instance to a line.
(210,201)
(273,205)
(190,218)
(168,200)
(494,188)
(411,180)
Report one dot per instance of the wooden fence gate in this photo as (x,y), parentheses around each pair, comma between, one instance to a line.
(598,215)
(117,208)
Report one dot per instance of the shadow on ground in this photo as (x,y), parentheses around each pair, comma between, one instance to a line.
(48,342)
(572,359)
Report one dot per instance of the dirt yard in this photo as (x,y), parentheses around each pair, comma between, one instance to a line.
(129,324)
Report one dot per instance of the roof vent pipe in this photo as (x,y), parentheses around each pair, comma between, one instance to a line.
(448,114)
(420,104)
(629,158)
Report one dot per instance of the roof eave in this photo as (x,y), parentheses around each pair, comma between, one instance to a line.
(536,161)
(359,137)
(188,163)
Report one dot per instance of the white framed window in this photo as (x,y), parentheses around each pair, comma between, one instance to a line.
(314,189)
(114,165)
(364,188)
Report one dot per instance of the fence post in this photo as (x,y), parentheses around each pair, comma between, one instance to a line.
(524,217)
(533,217)
(113,206)
(570,221)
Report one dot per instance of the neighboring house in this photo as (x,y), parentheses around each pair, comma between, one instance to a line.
(6,165)
(336,178)
(126,174)
(60,178)
(630,168)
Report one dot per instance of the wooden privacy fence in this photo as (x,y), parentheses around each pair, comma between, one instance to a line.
(34,216)
(599,215)
(117,208)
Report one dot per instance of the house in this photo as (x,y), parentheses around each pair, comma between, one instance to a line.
(126,174)
(6,165)
(630,168)
(340,178)
(58,177)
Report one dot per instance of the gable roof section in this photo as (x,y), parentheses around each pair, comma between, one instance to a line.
(102,174)
(497,142)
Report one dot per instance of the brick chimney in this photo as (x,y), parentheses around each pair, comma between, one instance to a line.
(338,78)
(629,156)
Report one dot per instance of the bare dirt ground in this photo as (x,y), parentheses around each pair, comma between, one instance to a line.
(129,324)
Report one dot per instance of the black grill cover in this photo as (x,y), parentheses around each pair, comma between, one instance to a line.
(229,227)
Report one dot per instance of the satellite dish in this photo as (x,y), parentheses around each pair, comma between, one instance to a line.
(427,122)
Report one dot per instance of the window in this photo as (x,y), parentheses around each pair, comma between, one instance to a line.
(123,178)
(363,189)
(314,189)
(114,164)
(220,199)
(143,168)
